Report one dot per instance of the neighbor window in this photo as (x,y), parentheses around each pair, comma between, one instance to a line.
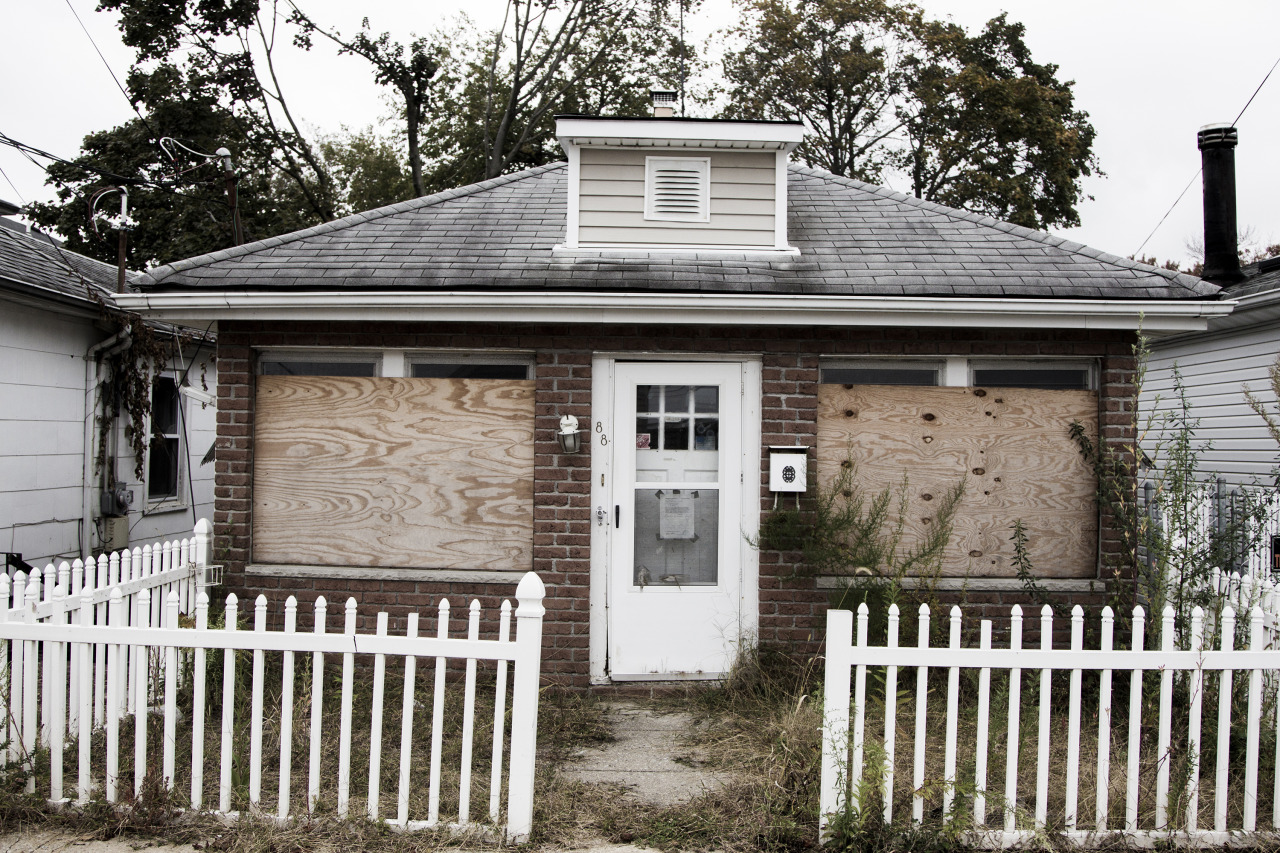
(166,443)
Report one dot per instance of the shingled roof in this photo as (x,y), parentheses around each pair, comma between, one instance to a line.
(33,264)
(854,239)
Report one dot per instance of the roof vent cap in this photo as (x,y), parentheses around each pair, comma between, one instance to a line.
(664,102)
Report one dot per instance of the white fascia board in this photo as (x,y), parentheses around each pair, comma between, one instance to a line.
(707,309)
(644,132)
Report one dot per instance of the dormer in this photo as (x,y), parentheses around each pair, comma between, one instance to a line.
(677,184)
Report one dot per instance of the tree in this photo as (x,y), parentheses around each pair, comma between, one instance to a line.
(410,71)
(502,90)
(368,170)
(834,65)
(990,130)
(972,121)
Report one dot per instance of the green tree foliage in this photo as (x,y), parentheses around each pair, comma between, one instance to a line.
(368,169)
(971,120)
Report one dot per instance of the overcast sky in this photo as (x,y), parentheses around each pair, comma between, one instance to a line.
(1149,73)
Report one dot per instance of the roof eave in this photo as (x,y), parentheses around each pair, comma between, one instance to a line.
(1158,317)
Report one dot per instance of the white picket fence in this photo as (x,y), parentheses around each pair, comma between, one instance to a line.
(55,665)
(848,778)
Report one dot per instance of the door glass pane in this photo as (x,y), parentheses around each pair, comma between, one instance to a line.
(677,537)
(672,444)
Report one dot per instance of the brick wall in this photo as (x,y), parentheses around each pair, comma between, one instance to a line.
(791,609)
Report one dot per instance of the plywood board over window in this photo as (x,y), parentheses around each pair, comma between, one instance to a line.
(1011,445)
(407,473)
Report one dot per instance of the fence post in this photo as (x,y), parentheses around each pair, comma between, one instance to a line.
(200,550)
(835,717)
(524,706)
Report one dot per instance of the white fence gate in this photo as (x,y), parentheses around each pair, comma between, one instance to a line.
(854,773)
(57,664)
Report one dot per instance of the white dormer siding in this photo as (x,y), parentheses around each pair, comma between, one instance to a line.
(677,184)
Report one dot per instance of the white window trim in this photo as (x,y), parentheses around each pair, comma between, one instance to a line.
(1089,366)
(701,164)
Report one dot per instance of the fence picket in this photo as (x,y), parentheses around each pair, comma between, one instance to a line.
(890,714)
(1253,727)
(30,685)
(953,721)
(437,719)
(980,739)
(56,656)
(922,694)
(255,712)
(1193,723)
(1163,753)
(228,707)
(1135,726)
(286,708)
(499,713)
(1015,726)
(1227,625)
(317,708)
(113,700)
(84,738)
(344,732)
(170,691)
(141,658)
(406,726)
(1104,725)
(198,660)
(1073,724)
(1042,744)
(375,724)
(468,721)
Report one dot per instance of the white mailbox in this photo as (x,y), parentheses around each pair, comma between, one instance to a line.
(788,469)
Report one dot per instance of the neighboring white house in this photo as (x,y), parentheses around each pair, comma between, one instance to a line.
(57,339)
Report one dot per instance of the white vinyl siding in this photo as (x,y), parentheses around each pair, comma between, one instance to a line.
(611,206)
(1215,369)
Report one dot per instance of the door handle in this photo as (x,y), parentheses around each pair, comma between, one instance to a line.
(617,515)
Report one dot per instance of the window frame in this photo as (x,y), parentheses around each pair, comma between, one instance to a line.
(959,371)
(177,498)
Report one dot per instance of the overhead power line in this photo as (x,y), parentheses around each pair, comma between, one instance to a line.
(119,85)
(1239,115)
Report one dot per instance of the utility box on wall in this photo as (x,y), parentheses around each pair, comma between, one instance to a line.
(788,469)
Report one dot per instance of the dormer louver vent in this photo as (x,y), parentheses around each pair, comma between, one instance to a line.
(677,189)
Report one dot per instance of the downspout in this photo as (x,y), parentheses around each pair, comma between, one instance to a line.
(92,374)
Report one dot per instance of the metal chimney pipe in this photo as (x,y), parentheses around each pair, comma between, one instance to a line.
(1217,143)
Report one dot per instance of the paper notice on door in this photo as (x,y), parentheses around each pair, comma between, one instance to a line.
(676,517)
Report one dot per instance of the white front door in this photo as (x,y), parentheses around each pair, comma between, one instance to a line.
(675,562)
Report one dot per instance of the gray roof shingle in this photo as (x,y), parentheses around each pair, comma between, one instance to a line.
(33,263)
(854,238)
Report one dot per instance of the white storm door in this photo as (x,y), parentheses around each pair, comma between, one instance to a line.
(674,592)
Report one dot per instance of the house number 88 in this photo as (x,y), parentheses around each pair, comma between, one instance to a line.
(604,439)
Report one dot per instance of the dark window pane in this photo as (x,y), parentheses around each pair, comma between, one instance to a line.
(677,398)
(162,468)
(1034,377)
(879,376)
(675,434)
(706,434)
(442,370)
(318,368)
(647,397)
(706,399)
(164,406)
(646,433)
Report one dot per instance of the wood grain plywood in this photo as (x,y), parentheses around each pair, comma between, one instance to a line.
(1013,447)
(411,473)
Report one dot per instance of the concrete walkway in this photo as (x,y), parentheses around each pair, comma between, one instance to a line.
(649,756)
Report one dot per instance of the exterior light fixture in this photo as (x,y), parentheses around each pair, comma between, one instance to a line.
(569,437)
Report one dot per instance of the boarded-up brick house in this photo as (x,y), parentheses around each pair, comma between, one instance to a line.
(391,387)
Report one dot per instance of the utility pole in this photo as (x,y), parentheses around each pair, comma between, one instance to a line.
(230,177)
